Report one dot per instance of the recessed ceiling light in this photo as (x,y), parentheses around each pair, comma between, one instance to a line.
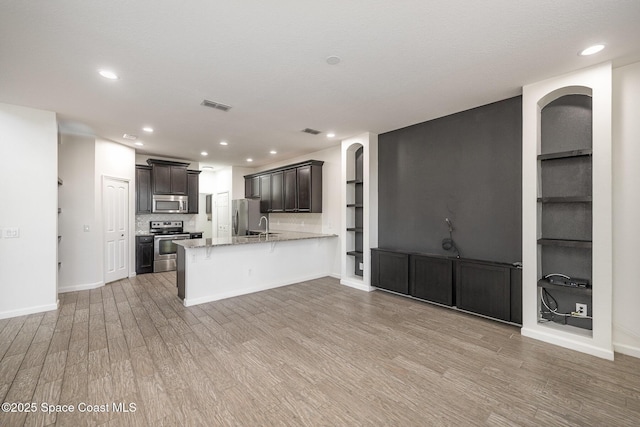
(273,152)
(224,143)
(130,137)
(333,60)
(249,160)
(207,167)
(139,144)
(591,50)
(148,129)
(331,135)
(108,74)
(204,153)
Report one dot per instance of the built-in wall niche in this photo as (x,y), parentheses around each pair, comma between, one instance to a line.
(565,211)
(355,209)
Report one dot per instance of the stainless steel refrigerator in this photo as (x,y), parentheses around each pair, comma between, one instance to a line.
(245,216)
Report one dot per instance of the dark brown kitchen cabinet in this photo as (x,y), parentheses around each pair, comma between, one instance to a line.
(432,279)
(252,187)
(143,189)
(193,188)
(291,190)
(277,191)
(168,177)
(310,188)
(390,270)
(144,254)
(265,193)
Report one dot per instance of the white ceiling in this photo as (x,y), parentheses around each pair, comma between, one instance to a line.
(403,62)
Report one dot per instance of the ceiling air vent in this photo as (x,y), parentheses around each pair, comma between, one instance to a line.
(311,131)
(216,105)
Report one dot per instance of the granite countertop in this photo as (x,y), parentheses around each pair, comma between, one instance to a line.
(274,236)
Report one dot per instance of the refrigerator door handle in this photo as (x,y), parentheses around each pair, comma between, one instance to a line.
(236,220)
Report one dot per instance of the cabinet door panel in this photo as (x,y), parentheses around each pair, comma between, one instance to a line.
(255,187)
(290,190)
(392,271)
(304,188)
(178,180)
(265,193)
(484,289)
(193,192)
(143,190)
(277,193)
(432,279)
(161,179)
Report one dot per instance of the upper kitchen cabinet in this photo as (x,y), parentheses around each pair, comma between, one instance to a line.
(168,177)
(265,193)
(310,187)
(252,187)
(143,189)
(277,192)
(292,188)
(193,187)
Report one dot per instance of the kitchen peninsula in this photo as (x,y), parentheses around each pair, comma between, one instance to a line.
(223,267)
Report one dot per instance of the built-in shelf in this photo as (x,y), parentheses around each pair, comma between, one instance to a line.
(355,205)
(566,154)
(566,243)
(355,253)
(573,199)
(356,229)
(543,283)
(355,181)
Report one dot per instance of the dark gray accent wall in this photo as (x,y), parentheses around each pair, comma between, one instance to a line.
(466,167)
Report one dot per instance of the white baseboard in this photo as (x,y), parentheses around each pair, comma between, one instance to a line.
(627,349)
(29,310)
(567,342)
(82,287)
(356,285)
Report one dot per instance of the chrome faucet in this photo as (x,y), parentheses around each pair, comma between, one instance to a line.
(266,222)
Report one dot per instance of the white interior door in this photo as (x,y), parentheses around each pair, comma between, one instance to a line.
(115,199)
(223,215)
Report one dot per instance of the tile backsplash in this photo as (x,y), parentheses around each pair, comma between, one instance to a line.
(307,222)
(142,221)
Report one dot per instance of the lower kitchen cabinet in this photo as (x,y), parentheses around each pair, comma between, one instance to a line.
(390,270)
(488,288)
(144,254)
(432,279)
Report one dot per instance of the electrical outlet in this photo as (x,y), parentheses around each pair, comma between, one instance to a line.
(581,310)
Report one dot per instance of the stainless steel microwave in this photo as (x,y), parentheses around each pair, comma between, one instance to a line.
(170,204)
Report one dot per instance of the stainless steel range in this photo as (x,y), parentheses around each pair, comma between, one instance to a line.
(164,250)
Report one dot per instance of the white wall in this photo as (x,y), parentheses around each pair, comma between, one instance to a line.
(28,184)
(115,161)
(626,209)
(329,221)
(78,250)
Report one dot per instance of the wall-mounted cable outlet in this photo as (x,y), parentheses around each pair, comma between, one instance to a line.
(581,310)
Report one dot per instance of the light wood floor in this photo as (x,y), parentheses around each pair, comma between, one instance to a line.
(314,353)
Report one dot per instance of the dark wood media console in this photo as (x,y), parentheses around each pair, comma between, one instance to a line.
(487,288)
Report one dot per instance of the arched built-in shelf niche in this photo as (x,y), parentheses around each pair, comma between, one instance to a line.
(359,209)
(566,208)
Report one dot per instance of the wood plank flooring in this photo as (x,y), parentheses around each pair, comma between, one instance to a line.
(315,353)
